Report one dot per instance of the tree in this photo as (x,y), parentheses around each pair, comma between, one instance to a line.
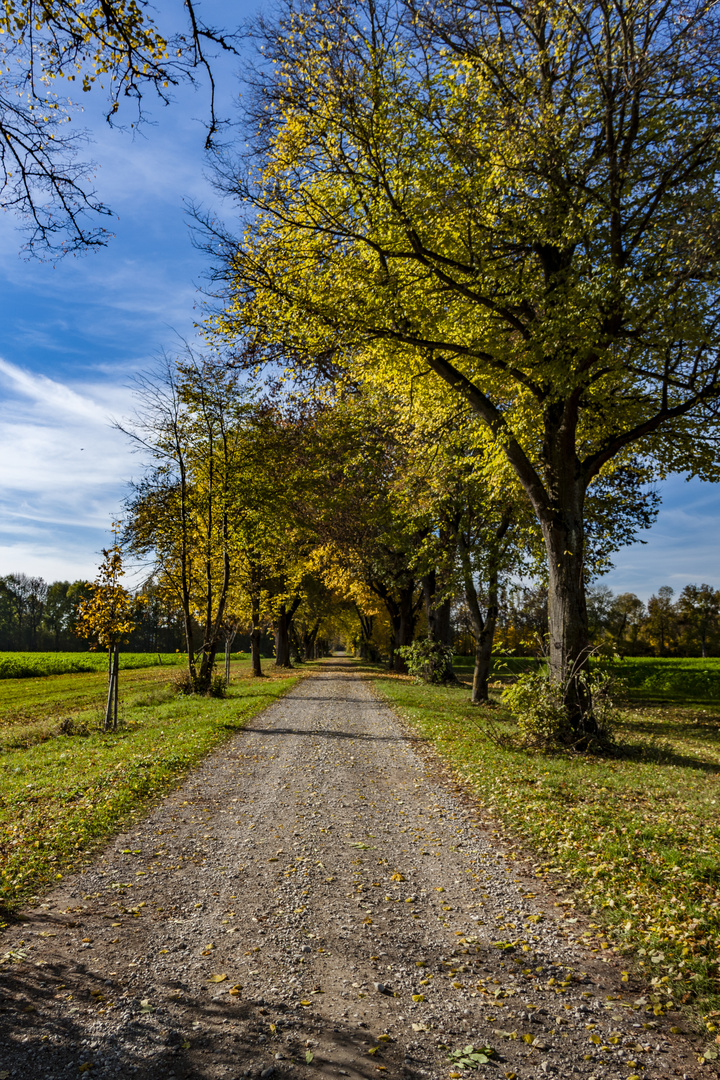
(662,618)
(118,47)
(105,619)
(182,514)
(520,201)
(698,607)
(626,615)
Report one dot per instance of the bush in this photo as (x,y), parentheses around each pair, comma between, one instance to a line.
(538,707)
(428,661)
(186,685)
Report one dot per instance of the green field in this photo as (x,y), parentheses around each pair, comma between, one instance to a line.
(66,786)
(29,665)
(631,839)
(641,677)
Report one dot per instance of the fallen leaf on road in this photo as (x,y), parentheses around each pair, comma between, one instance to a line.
(418,997)
(397,877)
(308,1056)
(217,978)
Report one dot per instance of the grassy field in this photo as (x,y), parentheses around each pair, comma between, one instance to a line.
(632,838)
(30,665)
(681,679)
(66,786)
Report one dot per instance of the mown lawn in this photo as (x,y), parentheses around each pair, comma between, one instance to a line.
(61,795)
(634,836)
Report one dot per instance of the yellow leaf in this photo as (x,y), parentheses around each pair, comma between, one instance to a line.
(234,990)
(373,1050)
(217,978)
(306,1002)
(385,1038)
(185,1044)
(418,997)
(397,877)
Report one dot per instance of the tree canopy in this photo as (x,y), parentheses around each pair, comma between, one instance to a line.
(519,203)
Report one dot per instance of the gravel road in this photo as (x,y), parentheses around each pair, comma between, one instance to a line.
(313,899)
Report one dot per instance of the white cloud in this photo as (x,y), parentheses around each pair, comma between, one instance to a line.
(63,471)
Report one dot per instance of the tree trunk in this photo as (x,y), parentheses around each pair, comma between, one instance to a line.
(438,619)
(283,624)
(117,683)
(483,627)
(282,639)
(403,624)
(569,644)
(367,649)
(108,707)
(111,708)
(308,643)
(255,636)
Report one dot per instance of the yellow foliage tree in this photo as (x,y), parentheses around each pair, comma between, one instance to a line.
(105,619)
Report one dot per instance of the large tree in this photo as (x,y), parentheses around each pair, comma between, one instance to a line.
(520,201)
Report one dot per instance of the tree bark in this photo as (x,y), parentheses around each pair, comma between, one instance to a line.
(255,636)
(283,623)
(569,641)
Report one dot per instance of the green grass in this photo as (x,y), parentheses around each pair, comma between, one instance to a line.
(677,678)
(633,837)
(29,665)
(63,794)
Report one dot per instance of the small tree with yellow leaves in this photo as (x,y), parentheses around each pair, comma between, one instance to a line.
(105,620)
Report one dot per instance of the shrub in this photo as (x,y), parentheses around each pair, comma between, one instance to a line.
(538,707)
(428,661)
(186,685)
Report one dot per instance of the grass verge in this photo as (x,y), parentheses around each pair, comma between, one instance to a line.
(635,835)
(62,797)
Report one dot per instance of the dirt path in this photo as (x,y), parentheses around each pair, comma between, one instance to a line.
(310,901)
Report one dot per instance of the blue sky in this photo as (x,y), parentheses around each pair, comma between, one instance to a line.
(72,335)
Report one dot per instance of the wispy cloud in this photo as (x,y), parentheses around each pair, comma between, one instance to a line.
(681,547)
(63,470)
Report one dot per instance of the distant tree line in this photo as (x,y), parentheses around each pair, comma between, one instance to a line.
(619,623)
(37,616)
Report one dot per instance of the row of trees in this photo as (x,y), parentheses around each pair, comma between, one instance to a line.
(619,625)
(503,214)
(343,514)
(508,211)
(37,616)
